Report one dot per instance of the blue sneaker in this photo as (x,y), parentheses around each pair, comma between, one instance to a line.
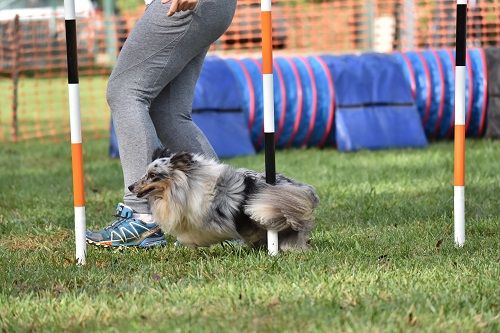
(127,231)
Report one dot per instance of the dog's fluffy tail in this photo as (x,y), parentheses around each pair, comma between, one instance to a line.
(283,206)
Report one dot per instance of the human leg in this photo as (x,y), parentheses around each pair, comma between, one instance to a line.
(157,51)
(171,113)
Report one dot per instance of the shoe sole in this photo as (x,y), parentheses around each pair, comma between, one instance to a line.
(145,244)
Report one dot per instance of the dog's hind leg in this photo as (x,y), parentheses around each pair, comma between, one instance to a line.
(290,240)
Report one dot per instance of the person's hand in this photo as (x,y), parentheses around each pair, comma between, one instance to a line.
(180,5)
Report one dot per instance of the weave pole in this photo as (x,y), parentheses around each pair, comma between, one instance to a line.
(459,159)
(76,130)
(268,94)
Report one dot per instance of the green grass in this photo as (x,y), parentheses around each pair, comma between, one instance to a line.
(42,110)
(383,257)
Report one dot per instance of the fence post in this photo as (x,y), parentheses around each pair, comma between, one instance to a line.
(15,77)
(109,11)
(408,40)
(370,24)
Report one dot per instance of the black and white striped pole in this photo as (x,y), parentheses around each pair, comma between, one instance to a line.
(76,130)
(268,97)
(459,156)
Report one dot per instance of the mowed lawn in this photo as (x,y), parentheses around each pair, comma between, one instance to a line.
(42,110)
(382,256)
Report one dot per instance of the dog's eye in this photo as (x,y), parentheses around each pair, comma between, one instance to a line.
(154,177)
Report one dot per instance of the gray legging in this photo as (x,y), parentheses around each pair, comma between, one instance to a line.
(150,91)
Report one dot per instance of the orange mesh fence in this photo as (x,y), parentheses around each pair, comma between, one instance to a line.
(33,84)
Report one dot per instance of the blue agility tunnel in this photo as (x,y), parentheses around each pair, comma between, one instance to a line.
(253,69)
(280,105)
(433,72)
(217,87)
(292,98)
(113,143)
(423,96)
(437,90)
(248,73)
(447,122)
(323,132)
(309,102)
(217,109)
(375,107)
(227,132)
(368,101)
(408,70)
(480,92)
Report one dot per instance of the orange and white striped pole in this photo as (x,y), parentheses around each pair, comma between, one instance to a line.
(459,163)
(76,130)
(268,92)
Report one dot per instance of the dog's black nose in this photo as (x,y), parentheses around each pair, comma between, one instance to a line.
(131,188)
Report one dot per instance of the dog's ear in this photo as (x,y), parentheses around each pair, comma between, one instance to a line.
(161,152)
(181,161)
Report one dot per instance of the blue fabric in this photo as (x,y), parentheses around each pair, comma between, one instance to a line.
(245,86)
(447,122)
(257,129)
(375,107)
(469,94)
(478,106)
(325,100)
(370,74)
(249,77)
(216,88)
(447,58)
(422,82)
(378,127)
(308,102)
(113,143)
(405,64)
(437,93)
(383,79)
(338,68)
(292,87)
(227,132)
(279,102)
(222,86)
(351,86)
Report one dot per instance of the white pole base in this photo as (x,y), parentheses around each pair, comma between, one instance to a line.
(80,241)
(459,215)
(272,242)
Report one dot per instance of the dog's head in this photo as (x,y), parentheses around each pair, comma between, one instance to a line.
(161,172)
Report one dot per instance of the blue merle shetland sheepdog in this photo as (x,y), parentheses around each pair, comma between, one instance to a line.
(202,202)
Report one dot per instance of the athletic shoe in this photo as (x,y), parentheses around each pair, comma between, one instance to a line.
(127,231)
